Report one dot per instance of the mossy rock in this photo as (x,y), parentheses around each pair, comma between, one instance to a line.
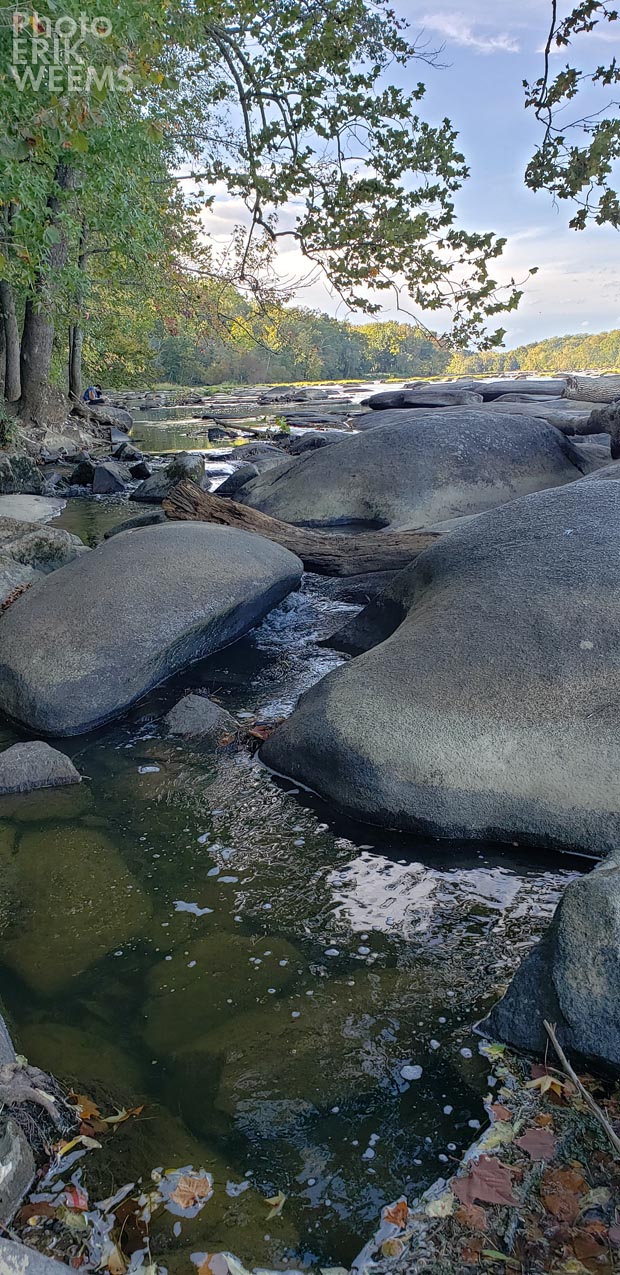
(47,805)
(87,1061)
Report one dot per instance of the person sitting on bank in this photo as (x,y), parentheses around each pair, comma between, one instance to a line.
(93,394)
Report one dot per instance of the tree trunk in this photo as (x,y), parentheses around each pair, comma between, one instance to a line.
(76,342)
(12,384)
(319,551)
(38,333)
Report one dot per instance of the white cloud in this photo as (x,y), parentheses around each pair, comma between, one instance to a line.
(457,29)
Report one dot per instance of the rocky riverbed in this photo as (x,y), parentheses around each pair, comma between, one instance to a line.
(289,983)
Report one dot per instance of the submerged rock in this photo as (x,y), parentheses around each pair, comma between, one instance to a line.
(78,1056)
(198,715)
(571,978)
(418,469)
(35,765)
(76,901)
(218,976)
(487,711)
(77,650)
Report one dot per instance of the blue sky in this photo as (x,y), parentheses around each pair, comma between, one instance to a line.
(488,50)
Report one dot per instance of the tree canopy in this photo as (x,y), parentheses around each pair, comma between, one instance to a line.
(118,133)
(578,156)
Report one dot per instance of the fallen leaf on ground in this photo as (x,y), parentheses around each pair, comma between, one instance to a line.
(489,1181)
(189,1191)
(498,1135)
(499,1111)
(214,1264)
(277,1203)
(561,1191)
(596,1199)
(392,1248)
(64,1148)
(471,1250)
(397,1214)
(77,1199)
(114,1260)
(122,1115)
(586,1245)
(613,1235)
(85,1106)
(494,1255)
(547,1084)
(443,1206)
(540,1144)
(473,1217)
(261,732)
(545,1118)
(30,1211)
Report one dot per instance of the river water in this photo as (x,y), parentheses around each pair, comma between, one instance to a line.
(292,996)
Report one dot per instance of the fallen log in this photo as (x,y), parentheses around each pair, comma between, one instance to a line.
(328,555)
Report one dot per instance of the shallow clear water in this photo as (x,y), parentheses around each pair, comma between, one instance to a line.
(184,930)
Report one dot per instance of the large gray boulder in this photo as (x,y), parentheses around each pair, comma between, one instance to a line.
(488,709)
(419,468)
(29,551)
(185,465)
(427,397)
(572,976)
(19,474)
(33,764)
(78,649)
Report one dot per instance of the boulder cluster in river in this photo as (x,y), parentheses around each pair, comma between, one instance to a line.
(480,702)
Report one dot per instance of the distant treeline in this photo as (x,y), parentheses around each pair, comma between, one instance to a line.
(126,346)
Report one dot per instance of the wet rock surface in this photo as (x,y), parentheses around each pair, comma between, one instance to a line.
(194,588)
(472,718)
(35,765)
(197,715)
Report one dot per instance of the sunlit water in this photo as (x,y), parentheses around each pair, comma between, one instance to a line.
(292,995)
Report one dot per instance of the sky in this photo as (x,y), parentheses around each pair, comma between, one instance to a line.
(487,50)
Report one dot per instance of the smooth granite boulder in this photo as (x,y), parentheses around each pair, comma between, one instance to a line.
(419,468)
(77,649)
(33,764)
(488,709)
(571,978)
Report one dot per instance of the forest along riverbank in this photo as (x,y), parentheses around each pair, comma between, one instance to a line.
(313,1029)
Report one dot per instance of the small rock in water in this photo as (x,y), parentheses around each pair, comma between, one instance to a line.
(411,1072)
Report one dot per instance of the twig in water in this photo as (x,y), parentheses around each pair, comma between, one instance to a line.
(594,1107)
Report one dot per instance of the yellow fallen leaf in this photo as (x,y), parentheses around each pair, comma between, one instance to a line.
(115,1261)
(90,1143)
(392,1248)
(277,1203)
(122,1115)
(498,1135)
(443,1206)
(545,1084)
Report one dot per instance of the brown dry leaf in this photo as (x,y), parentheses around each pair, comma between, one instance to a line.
(471,1250)
(586,1245)
(499,1111)
(489,1181)
(540,1144)
(190,1190)
(613,1235)
(473,1217)
(85,1106)
(224,741)
(214,1264)
(397,1214)
(561,1191)
(545,1118)
(261,732)
(32,1211)
(115,1262)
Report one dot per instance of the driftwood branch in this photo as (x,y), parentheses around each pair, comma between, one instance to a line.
(329,555)
(587,1097)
